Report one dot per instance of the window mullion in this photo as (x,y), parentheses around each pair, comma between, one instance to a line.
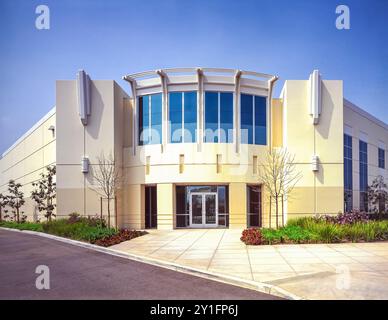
(253,120)
(183,117)
(149,119)
(218,118)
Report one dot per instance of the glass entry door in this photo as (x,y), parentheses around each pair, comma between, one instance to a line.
(203,209)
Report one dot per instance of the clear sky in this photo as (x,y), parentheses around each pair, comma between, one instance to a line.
(112,38)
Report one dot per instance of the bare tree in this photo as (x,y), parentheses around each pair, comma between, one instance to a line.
(279,176)
(106,177)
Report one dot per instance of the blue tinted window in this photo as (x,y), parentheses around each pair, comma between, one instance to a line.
(186,103)
(363,155)
(211,117)
(348,173)
(381,159)
(175,117)
(143,120)
(246,118)
(156,118)
(260,120)
(150,119)
(190,116)
(253,119)
(226,117)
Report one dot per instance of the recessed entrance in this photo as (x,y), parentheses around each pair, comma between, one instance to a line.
(202,206)
(203,209)
(151,209)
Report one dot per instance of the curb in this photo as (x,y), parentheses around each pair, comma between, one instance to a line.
(248,284)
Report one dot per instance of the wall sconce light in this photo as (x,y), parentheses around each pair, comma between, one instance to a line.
(52,129)
(315,163)
(85,164)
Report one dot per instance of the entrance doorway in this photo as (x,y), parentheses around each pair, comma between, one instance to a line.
(203,209)
(254,218)
(150,207)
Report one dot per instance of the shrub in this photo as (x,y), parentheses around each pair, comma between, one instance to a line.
(251,236)
(123,235)
(348,217)
(80,230)
(74,217)
(370,231)
(327,232)
(323,230)
(289,234)
(76,227)
(96,222)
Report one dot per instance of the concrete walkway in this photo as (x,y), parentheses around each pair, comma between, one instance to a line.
(314,271)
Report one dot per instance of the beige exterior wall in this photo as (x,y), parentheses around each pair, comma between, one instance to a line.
(27,159)
(362,126)
(76,191)
(318,192)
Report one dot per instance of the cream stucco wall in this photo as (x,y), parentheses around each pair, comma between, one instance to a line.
(27,159)
(361,125)
(321,191)
(104,132)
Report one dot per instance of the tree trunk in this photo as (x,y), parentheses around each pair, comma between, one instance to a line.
(270,210)
(1,216)
(48,213)
(277,211)
(101,209)
(115,212)
(17,215)
(108,212)
(282,211)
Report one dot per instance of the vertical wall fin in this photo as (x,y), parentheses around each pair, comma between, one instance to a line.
(315,96)
(83,95)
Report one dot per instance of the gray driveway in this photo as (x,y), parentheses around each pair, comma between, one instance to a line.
(79,273)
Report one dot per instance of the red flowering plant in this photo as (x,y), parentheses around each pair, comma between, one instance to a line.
(252,236)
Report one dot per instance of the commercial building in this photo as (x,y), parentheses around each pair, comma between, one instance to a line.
(189,144)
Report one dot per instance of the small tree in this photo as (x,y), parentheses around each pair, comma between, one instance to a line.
(16,200)
(3,204)
(44,193)
(107,178)
(279,176)
(378,195)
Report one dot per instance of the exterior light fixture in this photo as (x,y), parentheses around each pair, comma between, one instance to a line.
(315,163)
(52,129)
(85,164)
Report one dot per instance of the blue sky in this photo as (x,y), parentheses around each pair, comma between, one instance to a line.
(112,38)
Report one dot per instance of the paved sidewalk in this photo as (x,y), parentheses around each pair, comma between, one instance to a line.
(314,271)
